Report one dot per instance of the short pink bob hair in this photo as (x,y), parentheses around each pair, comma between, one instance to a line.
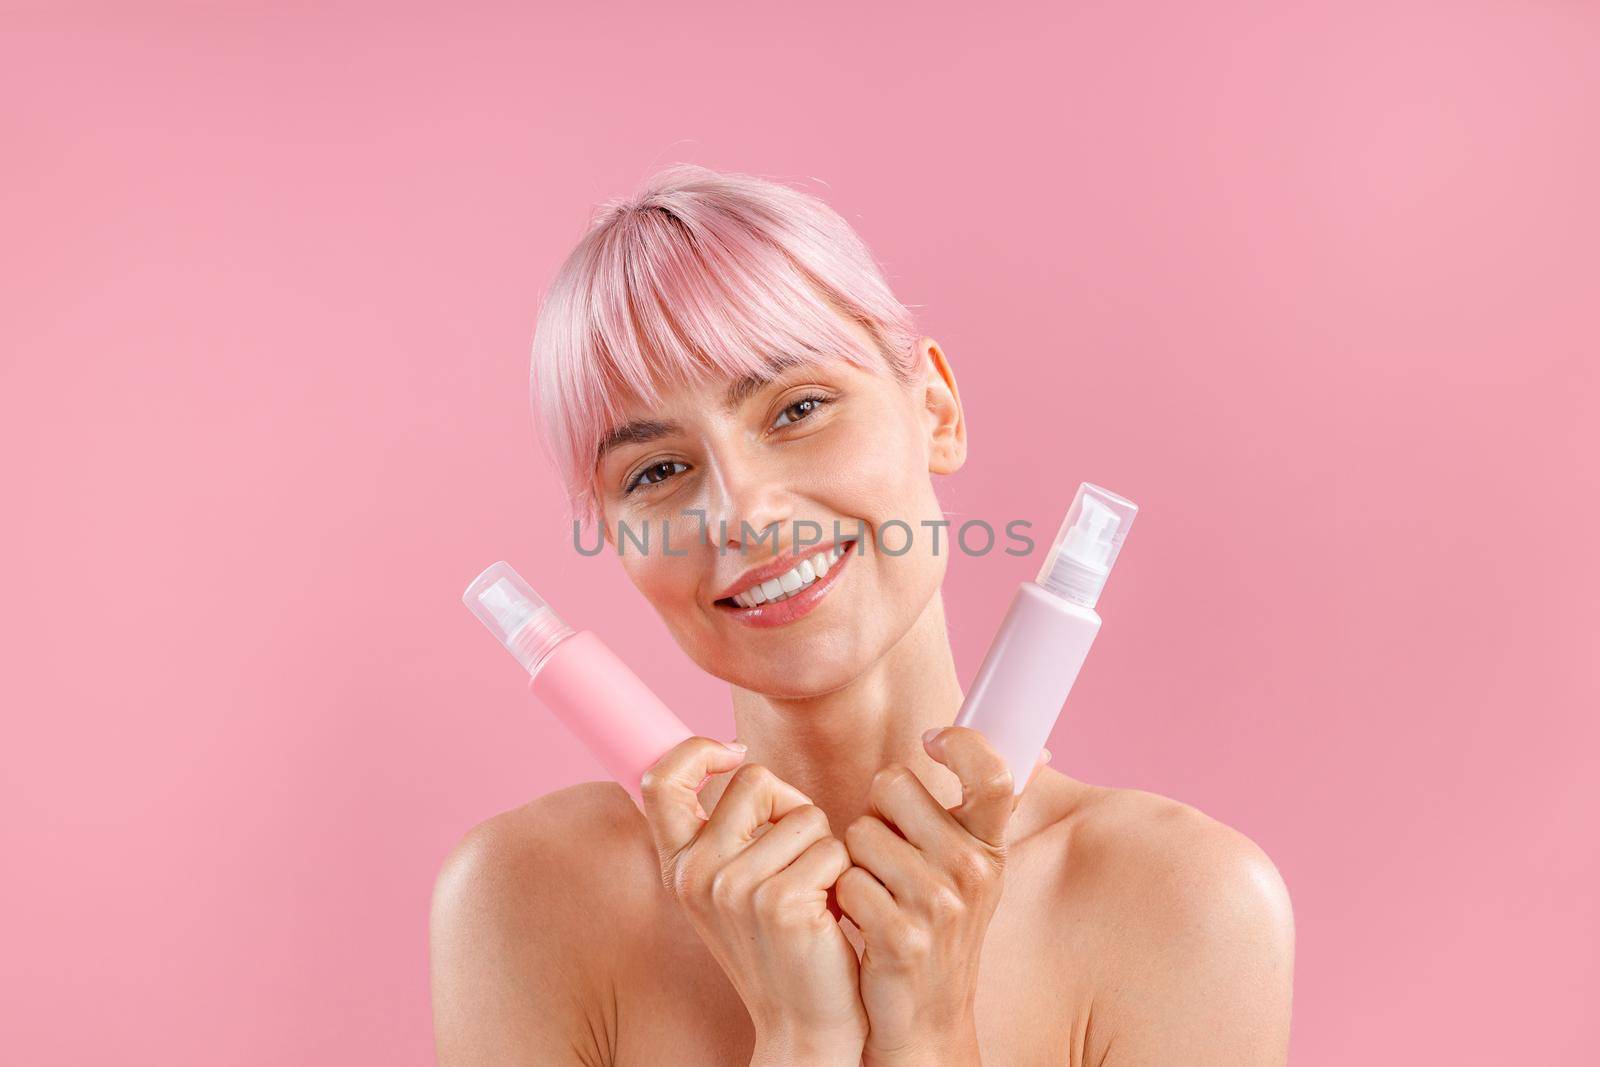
(700,276)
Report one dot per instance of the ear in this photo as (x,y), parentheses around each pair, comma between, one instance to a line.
(947,429)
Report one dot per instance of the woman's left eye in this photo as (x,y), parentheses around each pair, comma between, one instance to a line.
(803,408)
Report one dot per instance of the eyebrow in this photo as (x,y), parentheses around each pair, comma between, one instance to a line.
(639,431)
(642,431)
(743,387)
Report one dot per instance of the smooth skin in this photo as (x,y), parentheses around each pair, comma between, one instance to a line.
(854,894)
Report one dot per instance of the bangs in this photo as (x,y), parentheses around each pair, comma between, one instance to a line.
(693,286)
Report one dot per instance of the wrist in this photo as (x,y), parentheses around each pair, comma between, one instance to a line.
(803,1049)
(957,1047)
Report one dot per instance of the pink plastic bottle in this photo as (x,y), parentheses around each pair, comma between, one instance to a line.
(579,679)
(1029,670)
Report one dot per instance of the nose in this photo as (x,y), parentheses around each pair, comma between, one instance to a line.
(748,506)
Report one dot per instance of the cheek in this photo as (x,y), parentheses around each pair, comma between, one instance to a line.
(897,488)
(879,471)
(663,580)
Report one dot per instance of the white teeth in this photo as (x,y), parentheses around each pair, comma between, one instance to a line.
(791,581)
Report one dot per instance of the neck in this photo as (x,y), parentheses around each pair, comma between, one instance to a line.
(829,746)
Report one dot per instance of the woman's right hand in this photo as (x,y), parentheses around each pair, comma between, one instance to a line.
(759,900)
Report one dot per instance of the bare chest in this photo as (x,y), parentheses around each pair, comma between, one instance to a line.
(675,1007)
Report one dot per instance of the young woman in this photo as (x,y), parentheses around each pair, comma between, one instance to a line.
(720,360)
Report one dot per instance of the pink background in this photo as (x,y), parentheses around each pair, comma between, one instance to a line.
(1315,284)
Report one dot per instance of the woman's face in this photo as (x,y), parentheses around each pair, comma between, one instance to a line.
(777,472)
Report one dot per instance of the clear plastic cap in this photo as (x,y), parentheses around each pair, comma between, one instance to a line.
(1087,544)
(516,615)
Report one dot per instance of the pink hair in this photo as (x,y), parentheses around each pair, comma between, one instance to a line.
(700,276)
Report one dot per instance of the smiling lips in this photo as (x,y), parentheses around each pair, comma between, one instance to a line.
(791,594)
(790,581)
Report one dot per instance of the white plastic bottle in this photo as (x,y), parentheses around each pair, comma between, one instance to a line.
(1018,693)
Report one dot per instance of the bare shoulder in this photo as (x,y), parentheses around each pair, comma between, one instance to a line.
(1169,860)
(1195,926)
(514,930)
(542,860)
(567,825)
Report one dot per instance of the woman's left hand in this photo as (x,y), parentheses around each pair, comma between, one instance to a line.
(924,884)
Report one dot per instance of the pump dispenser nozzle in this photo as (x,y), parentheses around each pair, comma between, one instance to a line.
(516,615)
(1087,544)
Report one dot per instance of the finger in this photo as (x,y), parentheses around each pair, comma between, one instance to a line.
(987,785)
(783,843)
(669,789)
(865,900)
(901,800)
(1038,765)
(888,857)
(819,866)
(754,796)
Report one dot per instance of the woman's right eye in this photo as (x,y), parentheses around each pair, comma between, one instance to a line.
(654,474)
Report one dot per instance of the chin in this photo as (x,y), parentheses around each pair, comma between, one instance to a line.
(796,663)
(806,674)
(788,683)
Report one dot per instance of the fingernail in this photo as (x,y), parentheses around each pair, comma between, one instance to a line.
(929,735)
(737,746)
(1047,756)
